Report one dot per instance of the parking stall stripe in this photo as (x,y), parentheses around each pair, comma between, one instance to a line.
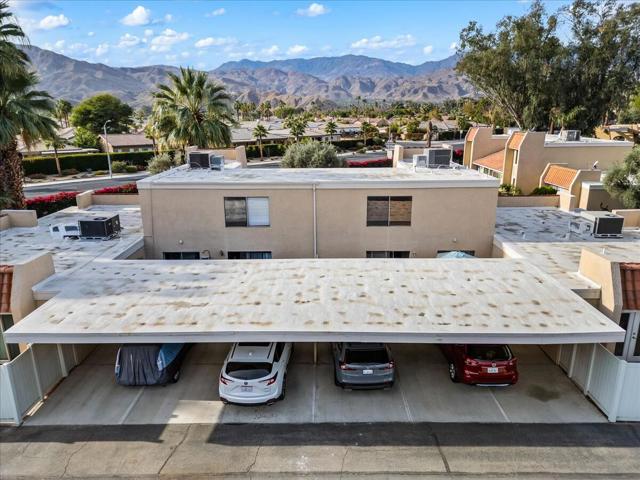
(134,402)
(504,414)
(404,401)
(313,398)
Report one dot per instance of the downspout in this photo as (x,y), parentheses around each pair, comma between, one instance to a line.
(315,224)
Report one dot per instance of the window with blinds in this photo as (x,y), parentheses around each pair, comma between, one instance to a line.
(388,211)
(249,255)
(246,211)
(388,254)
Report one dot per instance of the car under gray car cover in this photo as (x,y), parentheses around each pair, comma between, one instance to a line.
(138,365)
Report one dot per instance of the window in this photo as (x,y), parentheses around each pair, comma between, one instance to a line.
(249,255)
(10,351)
(468,252)
(624,324)
(246,211)
(388,254)
(388,211)
(278,352)
(181,255)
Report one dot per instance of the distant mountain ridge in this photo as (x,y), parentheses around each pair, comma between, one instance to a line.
(331,80)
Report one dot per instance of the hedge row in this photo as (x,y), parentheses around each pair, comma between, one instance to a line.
(268,149)
(82,162)
(129,188)
(51,203)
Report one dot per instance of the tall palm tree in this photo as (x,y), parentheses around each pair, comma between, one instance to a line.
(200,109)
(297,126)
(260,132)
(56,142)
(331,128)
(63,109)
(25,112)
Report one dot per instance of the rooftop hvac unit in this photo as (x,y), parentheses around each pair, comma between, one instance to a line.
(99,228)
(439,157)
(216,162)
(570,135)
(605,224)
(64,230)
(198,160)
(420,160)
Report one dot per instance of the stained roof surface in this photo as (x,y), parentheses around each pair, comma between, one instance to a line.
(401,300)
(20,244)
(542,236)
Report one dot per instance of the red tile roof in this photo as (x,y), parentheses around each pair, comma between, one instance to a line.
(495,161)
(516,140)
(6,279)
(630,276)
(471,134)
(559,176)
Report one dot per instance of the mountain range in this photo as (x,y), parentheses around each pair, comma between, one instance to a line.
(329,80)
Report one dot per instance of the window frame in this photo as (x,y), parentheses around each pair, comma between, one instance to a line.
(389,199)
(247,212)
(389,253)
(246,254)
(181,255)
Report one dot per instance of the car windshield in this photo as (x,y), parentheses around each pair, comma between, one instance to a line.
(377,355)
(248,370)
(488,352)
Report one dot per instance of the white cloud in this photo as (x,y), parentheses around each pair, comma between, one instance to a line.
(377,42)
(271,51)
(215,42)
(102,49)
(185,54)
(313,10)
(91,34)
(128,40)
(428,49)
(296,49)
(168,37)
(148,32)
(453,46)
(139,16)
(168,18)
(217,12)
(53,21)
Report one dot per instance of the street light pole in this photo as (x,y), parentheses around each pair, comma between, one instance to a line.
(106,147)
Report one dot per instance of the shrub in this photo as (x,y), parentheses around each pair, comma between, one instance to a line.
(508,189)
(163,162)
(82,162)
(269,150)
(51,203)
(131,188)
(131,168)
(118,166)
(544,190)
(373,163)
(37,176)
(312,155)
(101,172)
(69,171)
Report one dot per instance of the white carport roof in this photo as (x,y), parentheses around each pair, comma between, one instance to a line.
(396,300)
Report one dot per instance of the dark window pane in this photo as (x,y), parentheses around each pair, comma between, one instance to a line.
(235,211)
(400,211)
(190,255)
(361,356)
(624,324)
(247,370)
(377,211)
(248,255)
(377,254)
(400,254)
(488,352)
(171,255)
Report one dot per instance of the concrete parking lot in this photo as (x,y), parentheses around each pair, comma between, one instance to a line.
(422,393)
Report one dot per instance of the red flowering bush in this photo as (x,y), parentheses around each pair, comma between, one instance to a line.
(373,163)
(130,188)
(457,153)
(48,204)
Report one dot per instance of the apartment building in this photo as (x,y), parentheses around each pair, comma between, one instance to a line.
(316,213)
(520,158)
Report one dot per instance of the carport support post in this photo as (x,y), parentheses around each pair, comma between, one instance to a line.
(592,359)
(574,352)
(63,366)
(35,372)
(315,353)
(617,393)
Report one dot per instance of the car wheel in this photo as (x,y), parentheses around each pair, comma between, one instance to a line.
(284,388)
(176,376)
(453,373)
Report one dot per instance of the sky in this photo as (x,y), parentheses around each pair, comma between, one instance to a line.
(205,34)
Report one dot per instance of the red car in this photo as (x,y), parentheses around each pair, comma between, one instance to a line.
(481,364)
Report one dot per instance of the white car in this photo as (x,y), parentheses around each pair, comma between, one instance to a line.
(254,373)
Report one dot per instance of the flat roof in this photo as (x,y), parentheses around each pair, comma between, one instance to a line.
(386,300)
(185,177)
(542,236)
(555,140)
(22,243)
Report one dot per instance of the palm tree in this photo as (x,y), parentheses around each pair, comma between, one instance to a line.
(330,128)
(265,110)
(296,126)
(237,106)
(12,59)
(25,112)
(56,142)
(260,132)
(63,109)
(200,109)
(367,130)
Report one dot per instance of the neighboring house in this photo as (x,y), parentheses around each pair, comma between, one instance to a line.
(628,132)
(126,142)
(520,158)
(277,133)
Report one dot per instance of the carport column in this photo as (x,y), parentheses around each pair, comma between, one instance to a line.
(592,359)
(35,372)
(63,366)
(572,363)
(617,393)
(315,353)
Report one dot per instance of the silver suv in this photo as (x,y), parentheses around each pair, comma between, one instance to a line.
(363,365)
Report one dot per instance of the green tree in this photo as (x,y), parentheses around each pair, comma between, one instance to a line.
(297,126)
(260,132)
(55,142)
(331,128)
(86,139)
(312,155)
(265,110)
(63,109)
(12,60)
(93,112)
(25,112)
(200,110)
(623,180)
(368,131)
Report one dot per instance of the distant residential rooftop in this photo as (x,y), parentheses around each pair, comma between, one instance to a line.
(556,140)
(542,236)
(184,177)
(19,244)
(127,139)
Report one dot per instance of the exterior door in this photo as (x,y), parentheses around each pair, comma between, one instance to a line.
(630,349)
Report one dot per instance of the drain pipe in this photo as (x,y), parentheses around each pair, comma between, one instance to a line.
(315,224)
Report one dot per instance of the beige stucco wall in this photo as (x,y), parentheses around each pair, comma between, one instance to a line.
(193,220)
(592,197)
(631,216)
(18,218)
(25,276)
(529,201)
(605,273)
(482,145)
